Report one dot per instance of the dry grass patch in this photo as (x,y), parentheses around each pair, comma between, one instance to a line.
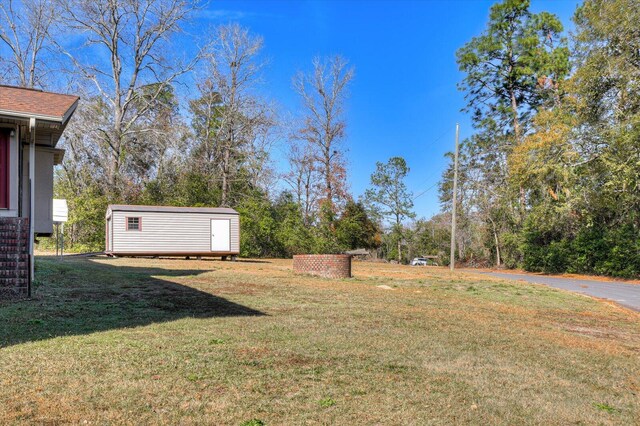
(150,341)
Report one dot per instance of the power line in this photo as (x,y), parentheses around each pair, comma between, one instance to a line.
(425,191)
(445,133)
(432,175)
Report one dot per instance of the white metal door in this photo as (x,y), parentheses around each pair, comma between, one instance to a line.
(220,235)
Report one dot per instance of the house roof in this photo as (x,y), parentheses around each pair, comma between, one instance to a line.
(170,209)
(24,103)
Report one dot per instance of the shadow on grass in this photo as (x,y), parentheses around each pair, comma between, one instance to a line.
(79,296)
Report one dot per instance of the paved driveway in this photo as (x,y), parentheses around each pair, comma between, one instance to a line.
(625,294)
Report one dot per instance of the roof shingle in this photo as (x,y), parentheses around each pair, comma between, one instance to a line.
(35,102)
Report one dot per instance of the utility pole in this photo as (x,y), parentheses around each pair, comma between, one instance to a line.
(452,261)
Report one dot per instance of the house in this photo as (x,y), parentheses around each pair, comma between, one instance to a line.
(172,231)
(31,124)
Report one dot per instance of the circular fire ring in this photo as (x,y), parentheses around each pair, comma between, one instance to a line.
(323,265)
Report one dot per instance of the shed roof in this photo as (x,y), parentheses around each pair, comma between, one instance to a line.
(170,209)
(23,102)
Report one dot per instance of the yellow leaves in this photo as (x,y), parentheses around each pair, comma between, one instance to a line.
(543,154)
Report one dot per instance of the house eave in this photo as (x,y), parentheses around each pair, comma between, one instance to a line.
(58,154)
(13,115)
(70,112)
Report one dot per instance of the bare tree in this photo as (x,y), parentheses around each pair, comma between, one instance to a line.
(258,162)
(323,92)
(238,121)
(205,115)
(133,37)
(304,179)
(24,30)
(161,133)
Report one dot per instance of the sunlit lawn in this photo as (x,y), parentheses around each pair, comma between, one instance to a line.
(208,342)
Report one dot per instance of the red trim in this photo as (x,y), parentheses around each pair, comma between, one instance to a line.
(4,169)
(126,223)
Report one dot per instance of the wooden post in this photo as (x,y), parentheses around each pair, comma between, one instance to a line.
(32,198)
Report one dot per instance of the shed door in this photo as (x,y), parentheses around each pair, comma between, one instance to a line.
(220,235)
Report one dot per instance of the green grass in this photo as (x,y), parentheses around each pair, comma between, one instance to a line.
(169,341)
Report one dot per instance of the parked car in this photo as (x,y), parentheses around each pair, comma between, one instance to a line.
(423,261)
(419,261)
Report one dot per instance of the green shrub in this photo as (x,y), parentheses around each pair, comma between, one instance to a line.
(594,250)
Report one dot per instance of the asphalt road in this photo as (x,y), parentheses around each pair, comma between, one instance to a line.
(627,295)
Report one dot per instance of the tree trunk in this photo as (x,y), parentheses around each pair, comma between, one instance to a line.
(327,177)
(516,132)
(114,164)
(113,171)
(225,178)
(495,236)
(498,262)
(516,122)
(309,204)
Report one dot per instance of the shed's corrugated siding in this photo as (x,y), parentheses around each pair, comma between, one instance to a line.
(169,232)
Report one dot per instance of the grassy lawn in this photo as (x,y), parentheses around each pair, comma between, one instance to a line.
(208,342)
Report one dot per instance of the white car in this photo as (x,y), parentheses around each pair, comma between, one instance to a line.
(419,261)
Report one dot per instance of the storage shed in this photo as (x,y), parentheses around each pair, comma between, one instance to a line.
(172,231)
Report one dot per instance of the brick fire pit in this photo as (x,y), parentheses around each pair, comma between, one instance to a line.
(323,265)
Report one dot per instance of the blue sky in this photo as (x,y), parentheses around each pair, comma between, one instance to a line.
(403,101)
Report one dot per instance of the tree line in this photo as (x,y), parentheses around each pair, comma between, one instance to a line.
(137,139)
(550,179)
